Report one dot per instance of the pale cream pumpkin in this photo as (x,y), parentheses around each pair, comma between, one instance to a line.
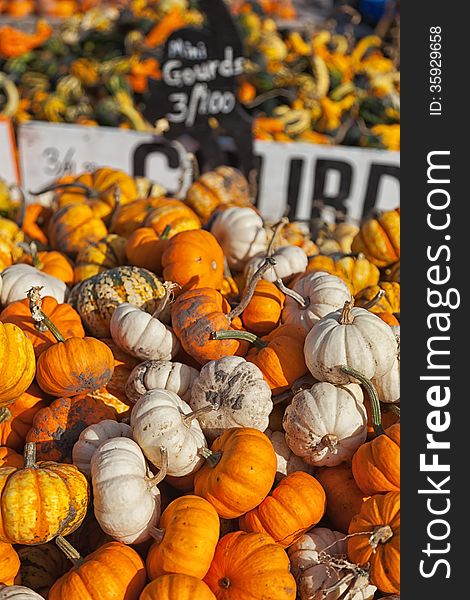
(287,461)
(388,386)
(290,260)
(18,279)
(18,592)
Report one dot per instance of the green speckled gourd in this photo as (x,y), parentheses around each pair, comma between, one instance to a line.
(98,296)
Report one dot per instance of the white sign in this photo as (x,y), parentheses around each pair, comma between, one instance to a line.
(8,166)
(293,176)
(49,150)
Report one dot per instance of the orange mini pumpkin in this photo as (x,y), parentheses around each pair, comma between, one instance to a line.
(62,315)
(379,239)
(264,310)
(250,565)
(194,259)
(35,222)
(17,363)
(379,547)
(9,564)
(74,227)
(239,471)
(51,262)
(129,217)
(177,586)
(296,504)
(145,248)
(173,213)
(56,428)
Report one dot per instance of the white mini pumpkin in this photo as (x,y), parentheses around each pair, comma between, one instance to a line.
(18,592)
(164,374)
(241,234)
(352,337)
(18,279)
(141,335)
(159,419)
(318,565)
(127,501)
(326,424)
(239,392)
(290,260)
(92,437)
(322,294)
(388,386)
(287,461)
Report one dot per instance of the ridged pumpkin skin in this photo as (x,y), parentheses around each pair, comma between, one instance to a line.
(113,572)
(104,182)
(127,218)
(16,420)
(296,504)
(194,259)
(17,363)
(9,565)
(41,566)
(57,427)
(173,213)
(98,296)
(263,312)
(224,185)
(376,464)
(10,458)
(64,317)
(243,475)
(107,253)
(282,361)
(74,227)
(344,498)
(379,239)
(250,565)
(76,366)
(195,315)
(384,559)
(145,248)
(177,587)
(390,303)
(191,528)
(358,273)
(40,502)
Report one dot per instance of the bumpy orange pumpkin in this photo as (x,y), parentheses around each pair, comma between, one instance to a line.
(40,501)
(194,259)
(17,418)
(74,227)
(186,539)
(56,428)
(250,565)
(107,253)
(173,213)
(9,565)
(62,315)
(17,363)
(381,548)
(263,312)
(379,239)
(238,473)
(296,504)
(376,464)
(100,196)
(195,315)
(114,571)
(177,586)
(344,498)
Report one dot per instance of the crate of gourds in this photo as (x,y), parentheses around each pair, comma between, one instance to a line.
(195,404)
(317,86)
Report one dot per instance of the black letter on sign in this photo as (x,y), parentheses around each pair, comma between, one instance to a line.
(322,168)
(142,152)
(296,169)
(375,174)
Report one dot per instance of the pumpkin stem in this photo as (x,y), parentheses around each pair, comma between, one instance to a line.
(375,300)
(225,583)
(374,398)
(267,263)
(167,298)
(189,417)
(157,534)
(5,414)
(232,334)
(153,481)
(35,306)
(277,228)
(29,455)
(346,318)
(166,232)
(303,302)
(69,551)
(330,441)
(90,192)
(212,458)
(380,535)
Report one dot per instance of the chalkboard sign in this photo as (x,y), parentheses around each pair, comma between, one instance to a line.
(199,70)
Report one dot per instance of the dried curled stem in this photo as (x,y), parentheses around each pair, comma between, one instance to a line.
(42,321)
(375,300)
(153,481)
(267,263)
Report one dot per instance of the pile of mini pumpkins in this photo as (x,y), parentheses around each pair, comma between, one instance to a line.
(195,404)
(315,87)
